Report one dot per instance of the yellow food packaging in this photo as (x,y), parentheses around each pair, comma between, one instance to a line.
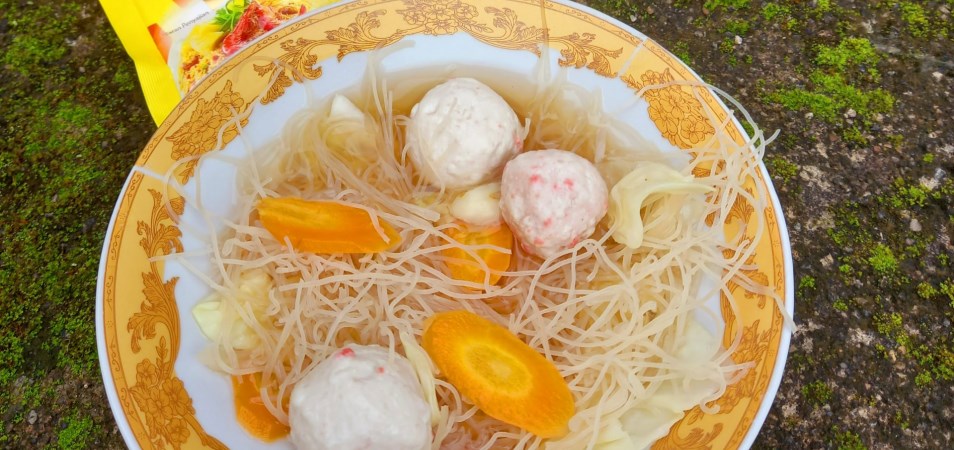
(176,43)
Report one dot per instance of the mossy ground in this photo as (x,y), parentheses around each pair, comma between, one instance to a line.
(872,366)
(72,124)
(864,166)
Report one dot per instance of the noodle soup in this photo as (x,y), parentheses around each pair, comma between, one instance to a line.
(633,331)
(211,247)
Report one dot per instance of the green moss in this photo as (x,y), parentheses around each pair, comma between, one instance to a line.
(946,190)
(63,142)
(40,36)
(727,45)
(848,230)
(817,393)
(738,27)
(926,290)
(882,350)
(807,282)
(928,158)
(915,250)
(822,6)
(69,139)
(936,361)
(125,80)
(25,51)
(868,259)
(883,261)
(779,13)
(915,19)
(846,96)
(850,52)
(76,434)
(947,288)
(832,92)
(923,379)
(771,11)
(852,135)
(901,420)
(892,326)
(846,269)
(799,99)
(905,195)
(715,5)
(782,168)
(831,95)
(840,305)
(896,140)
(749,129)
(681,50)
(847,440)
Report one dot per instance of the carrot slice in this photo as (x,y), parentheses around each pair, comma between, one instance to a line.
(464,267)
(324,226)
(250,410)
(501,374)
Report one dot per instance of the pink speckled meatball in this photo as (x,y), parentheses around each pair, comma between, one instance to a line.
(552,199)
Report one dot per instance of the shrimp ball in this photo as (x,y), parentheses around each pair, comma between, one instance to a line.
(360,398)
(552,199)
(461,133)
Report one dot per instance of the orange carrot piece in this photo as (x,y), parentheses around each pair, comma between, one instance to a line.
(250,411)
(501,374)
(324,226)
(465,268)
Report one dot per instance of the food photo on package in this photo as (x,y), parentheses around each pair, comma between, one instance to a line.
(175,43)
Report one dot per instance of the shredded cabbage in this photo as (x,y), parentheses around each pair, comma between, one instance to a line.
(613,437)
(424,368)
(651,421)
(479,206)
(644,186)
(215,315)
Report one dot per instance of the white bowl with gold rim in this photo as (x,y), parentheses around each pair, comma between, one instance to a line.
(160,393)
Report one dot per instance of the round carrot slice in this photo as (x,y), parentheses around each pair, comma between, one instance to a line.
(501,374)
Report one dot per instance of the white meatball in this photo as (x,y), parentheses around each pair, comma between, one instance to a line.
(360,398)
(552,199)
(461,134)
